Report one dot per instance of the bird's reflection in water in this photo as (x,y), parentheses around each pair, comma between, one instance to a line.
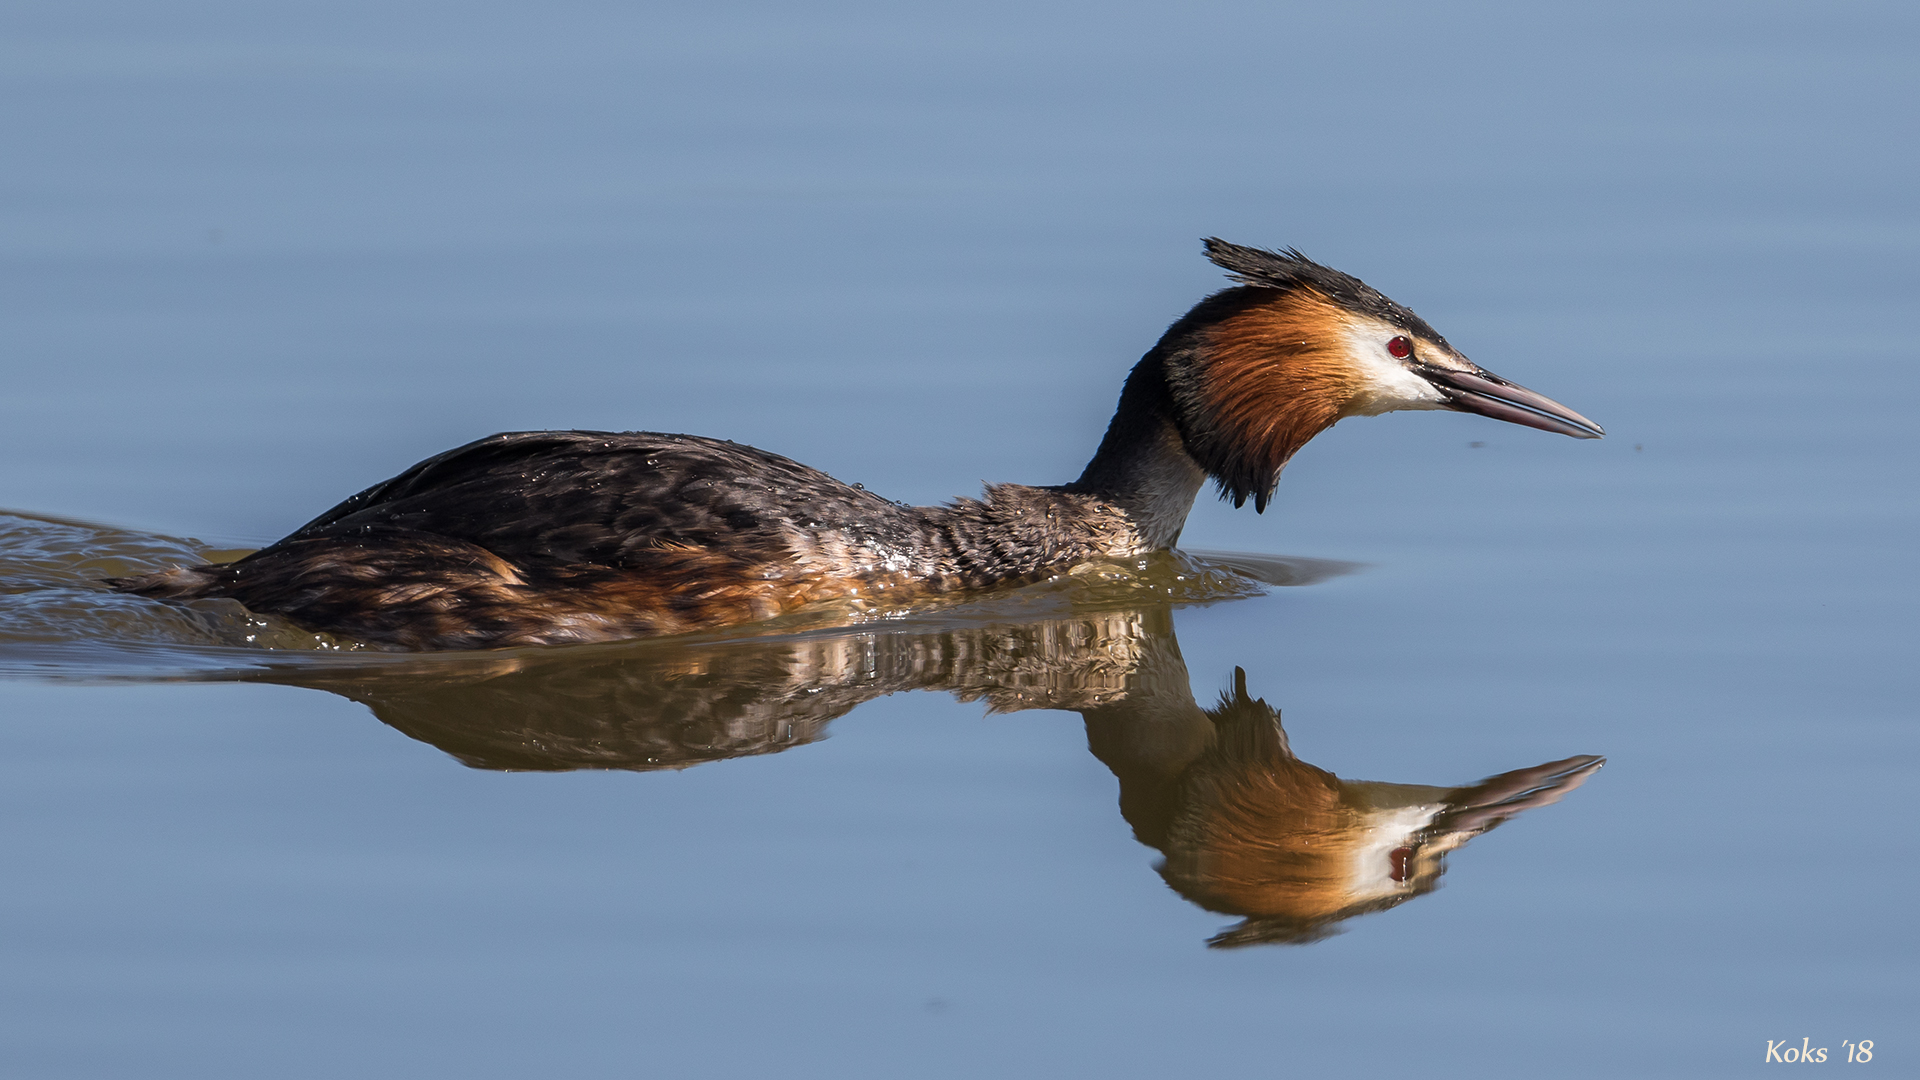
(1246,828)
(1249,829)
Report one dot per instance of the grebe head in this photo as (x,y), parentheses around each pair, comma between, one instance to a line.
(1257,370)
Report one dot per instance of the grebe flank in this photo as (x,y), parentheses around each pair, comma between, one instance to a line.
(546,537)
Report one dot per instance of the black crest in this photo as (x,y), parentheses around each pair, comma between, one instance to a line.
(1291,270)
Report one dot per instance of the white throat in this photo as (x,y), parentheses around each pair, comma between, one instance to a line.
(1386,384)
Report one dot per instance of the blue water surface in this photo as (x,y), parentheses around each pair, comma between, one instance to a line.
(254,258)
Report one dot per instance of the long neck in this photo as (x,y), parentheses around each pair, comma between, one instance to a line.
(1142,465)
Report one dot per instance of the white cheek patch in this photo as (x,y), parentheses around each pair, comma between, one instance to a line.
(1385,383)
(1375,871)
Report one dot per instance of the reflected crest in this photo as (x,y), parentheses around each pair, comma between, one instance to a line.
(1245,827)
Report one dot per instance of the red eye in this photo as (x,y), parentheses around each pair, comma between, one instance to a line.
(1400,347)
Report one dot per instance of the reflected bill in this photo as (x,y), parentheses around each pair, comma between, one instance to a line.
(1245,827)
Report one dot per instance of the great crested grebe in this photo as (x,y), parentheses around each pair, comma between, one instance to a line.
(545,537)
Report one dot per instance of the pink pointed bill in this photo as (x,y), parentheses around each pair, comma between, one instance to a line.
(1488,394)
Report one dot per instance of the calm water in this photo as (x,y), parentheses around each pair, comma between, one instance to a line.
(253,260)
